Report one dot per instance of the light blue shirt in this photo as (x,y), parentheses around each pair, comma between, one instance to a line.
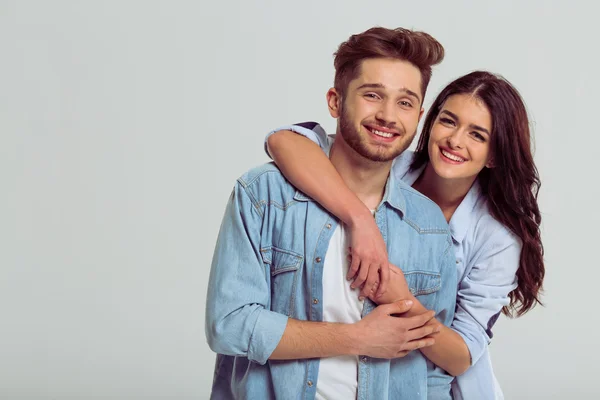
(487,258)
(268,267)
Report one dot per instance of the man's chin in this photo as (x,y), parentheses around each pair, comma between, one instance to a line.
(381,157)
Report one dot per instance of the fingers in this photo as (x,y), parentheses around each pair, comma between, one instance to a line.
(423,331)
(418,320)
(392,268)
(372,281)
(361,277)
(397,307)
(415,345)
(385,277)
(355,263)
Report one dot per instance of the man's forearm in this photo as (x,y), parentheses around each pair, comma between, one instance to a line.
(307,339)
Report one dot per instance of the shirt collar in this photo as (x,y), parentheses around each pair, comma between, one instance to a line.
(461,219)
(393,194)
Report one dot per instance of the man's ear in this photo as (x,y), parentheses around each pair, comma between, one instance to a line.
(421,113)
(334,102)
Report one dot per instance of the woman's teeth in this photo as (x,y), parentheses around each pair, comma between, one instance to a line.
(452,156)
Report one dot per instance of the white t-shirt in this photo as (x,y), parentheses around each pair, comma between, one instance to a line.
(338,376)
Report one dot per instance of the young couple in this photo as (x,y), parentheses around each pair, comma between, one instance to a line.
(362,270)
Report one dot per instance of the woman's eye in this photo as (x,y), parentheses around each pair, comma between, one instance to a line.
(478,136)
(447,121)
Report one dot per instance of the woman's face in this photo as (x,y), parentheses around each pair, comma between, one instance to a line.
(459,143)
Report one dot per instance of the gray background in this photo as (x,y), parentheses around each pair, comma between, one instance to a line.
(123,127)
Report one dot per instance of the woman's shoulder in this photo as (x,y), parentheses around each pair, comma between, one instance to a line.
(485,232)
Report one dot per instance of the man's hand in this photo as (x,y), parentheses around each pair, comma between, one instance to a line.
(368,258)
(397,288)
(385,333)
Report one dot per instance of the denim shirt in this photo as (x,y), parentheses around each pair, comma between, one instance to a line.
(268,267)
(487,259)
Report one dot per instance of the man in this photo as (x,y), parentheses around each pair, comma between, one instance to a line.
(280,314)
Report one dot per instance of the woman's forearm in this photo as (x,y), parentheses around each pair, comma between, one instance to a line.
(307,167)
(450,352)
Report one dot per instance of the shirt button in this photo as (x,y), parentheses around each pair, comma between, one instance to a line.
(328,226)
(309,383)
(457,261)
(364,359)
(318,259)
(315,301)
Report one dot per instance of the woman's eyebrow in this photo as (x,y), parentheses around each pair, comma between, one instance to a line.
(472,126)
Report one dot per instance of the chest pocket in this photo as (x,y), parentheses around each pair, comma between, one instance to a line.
(424,286)
(283,265)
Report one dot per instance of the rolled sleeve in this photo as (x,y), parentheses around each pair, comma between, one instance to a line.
(484,291)
(310,130)
(267,333)
(239,321)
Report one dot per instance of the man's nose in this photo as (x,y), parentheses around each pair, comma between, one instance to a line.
(387,113)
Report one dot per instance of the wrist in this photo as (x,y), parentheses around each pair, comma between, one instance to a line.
(354,335)
(359,217)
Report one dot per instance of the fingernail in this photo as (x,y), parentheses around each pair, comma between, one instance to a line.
(408,302)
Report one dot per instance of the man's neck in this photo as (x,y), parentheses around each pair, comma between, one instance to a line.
(364,177)
(446,193)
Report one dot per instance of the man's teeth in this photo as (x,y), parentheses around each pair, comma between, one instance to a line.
(382,134)
(452,156)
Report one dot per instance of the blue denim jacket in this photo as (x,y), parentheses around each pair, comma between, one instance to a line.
(267,267)
(487,259)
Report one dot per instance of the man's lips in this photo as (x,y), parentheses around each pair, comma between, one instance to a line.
(382,132)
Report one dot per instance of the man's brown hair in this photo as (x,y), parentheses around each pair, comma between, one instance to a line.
(417,48)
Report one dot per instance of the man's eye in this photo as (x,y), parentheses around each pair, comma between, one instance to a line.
(406,103)
(371,96)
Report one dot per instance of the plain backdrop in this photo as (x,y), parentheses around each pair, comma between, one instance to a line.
(124,124)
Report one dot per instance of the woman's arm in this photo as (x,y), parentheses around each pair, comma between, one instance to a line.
(481,295)
(449,351)
(307,167)
(484,291)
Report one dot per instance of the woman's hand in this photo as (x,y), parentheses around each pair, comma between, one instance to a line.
(369,260)
(397,288)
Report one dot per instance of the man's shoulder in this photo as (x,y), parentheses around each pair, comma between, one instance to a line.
(263,173)
(267,184)
(421,211)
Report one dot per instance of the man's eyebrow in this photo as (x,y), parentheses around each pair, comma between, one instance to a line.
(472,126)
(381,86)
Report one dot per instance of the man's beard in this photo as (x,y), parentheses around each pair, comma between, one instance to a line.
(359,144)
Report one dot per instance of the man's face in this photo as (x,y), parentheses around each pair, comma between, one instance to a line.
(380,112)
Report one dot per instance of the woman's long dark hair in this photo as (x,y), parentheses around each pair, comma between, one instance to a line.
(512,184)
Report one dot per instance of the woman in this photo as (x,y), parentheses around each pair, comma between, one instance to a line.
(474,160)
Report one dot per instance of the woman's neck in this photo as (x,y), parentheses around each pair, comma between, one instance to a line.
(446,193)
